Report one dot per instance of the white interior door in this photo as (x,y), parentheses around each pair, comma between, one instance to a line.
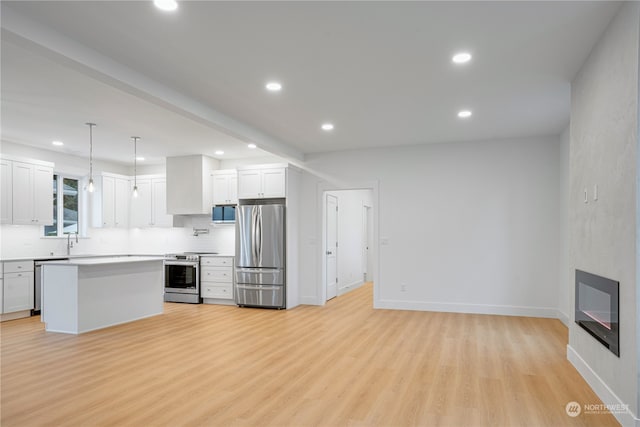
(366,268)
(369,244)
(332,246)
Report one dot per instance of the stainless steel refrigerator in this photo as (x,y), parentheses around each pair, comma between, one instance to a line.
(260,253)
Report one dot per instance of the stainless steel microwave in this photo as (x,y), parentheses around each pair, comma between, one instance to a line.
(223,214)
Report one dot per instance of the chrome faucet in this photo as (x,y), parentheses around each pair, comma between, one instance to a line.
(70,242)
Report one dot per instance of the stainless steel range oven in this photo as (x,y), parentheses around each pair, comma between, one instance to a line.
(182,278)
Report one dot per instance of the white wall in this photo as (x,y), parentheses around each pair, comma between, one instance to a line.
(351,237)
(470,227)
(566,277)
(603,233)
(18,241)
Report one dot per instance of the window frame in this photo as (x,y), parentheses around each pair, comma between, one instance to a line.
(61,176)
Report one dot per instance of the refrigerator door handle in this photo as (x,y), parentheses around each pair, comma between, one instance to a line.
(254,231)
(259,232)
(261,287)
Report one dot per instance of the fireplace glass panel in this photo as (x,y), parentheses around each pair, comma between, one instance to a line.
(595,304)
(597,308)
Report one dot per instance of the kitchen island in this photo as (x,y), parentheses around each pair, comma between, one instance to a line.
(82,295)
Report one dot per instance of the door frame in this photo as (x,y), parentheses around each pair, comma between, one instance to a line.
(326,238)
(321,224)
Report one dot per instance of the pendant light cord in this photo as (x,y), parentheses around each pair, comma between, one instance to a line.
(91,125)
(135,161)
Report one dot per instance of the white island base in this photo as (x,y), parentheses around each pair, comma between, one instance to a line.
(87,294)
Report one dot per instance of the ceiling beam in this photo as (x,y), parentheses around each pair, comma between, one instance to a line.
(19,29)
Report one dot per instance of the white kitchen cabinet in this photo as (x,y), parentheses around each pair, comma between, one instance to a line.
(6,192)
(17,286)
(225,187)
(216,279)
(122,198)
(32,195)
(159,216)
(141,205)
(149,209)
(115,196)
(43,195)
(262,183)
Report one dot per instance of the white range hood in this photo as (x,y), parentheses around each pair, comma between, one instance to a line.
(189,184)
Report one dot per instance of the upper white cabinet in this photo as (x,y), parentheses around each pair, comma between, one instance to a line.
(121,198)
(112,205)
(32,195)
(149,209)
(6,192)
(159,216)
(189,185)
(141,205)
(225,187)
(263,182)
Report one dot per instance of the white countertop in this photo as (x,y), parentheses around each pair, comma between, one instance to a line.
(103,260)
(73,256)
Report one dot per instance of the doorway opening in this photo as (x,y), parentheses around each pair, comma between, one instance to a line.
(348,235)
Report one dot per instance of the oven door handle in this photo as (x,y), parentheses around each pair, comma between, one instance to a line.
(185,263)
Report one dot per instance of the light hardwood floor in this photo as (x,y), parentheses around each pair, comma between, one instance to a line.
(342,364)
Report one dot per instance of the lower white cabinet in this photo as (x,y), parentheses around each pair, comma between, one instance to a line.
(17,287)
(216,279)
(217,291)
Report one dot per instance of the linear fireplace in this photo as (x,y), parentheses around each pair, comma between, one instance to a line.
(597,308)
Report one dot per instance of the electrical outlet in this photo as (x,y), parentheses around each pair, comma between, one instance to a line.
(403,287)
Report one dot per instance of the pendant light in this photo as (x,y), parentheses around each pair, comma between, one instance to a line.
(135,165)
(91,125)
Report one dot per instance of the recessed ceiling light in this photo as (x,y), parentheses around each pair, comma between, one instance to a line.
(57,143)
(252,146)
(463,114)
(166,5)
(327,126)
(219,152)
(140,159)
(273,86)
(461,58)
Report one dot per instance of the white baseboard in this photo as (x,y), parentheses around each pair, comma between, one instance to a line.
(601,389)
(502,310)
(564,318)
(310,301)
(351,286)
(15,315)
(217,301)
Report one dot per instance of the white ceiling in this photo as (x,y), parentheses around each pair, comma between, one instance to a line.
(380,71)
